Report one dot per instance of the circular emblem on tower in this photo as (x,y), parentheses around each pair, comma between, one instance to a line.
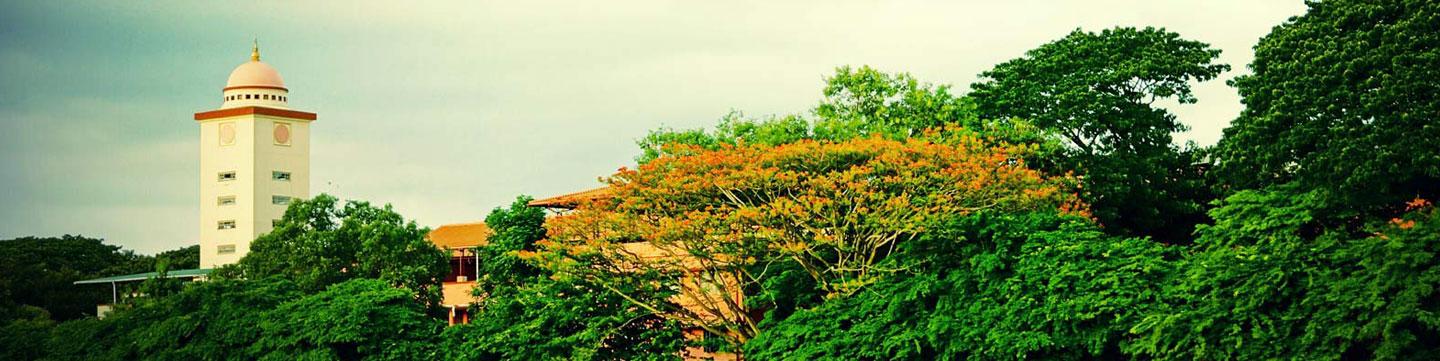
(282,134)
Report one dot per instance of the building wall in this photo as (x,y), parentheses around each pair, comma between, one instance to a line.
(253,155)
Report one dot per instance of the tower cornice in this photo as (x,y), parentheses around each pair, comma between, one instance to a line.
(224,113)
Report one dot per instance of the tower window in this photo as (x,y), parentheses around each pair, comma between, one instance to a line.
(227,176)
(282,200)
(226,201)
(225,249)
(280,176)
(274,223)
(226,224)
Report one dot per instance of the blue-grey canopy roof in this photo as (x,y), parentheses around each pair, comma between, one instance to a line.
(179,273)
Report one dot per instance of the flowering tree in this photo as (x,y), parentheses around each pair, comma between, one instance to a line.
(715,224)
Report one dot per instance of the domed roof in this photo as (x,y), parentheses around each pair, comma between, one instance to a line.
(255,73)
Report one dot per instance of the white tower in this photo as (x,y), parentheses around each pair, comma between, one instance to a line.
(254,159)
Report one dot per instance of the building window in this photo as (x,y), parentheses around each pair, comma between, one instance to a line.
(227,176)
(226,201)
(228,224)
(280,200)
(280,176)
(225,249)
(274,223)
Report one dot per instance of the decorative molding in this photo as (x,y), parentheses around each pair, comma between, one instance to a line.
(223,113)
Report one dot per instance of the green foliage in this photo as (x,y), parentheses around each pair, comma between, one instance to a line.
(215,320)
(1097,91)
(1269,281)
(859,103)
(527,313)
(863,102)
(40,271)
(734,128)
(545,319)
(23,334)
(318,244)
(180,258)
(1345,98)
(359,319)
(988,286)
(513,230)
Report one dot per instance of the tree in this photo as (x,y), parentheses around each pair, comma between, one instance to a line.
(1097,91)
(40,272)
(863,102)
(860,103)
(181,258)
(734,128)
(215,320)
(1269,280)
(513,230)
(987,286)
(715,222)
(318,244)
(1342,99)
(24,332)
(525,313)
(359,319)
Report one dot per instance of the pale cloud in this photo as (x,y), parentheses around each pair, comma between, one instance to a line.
(448,109)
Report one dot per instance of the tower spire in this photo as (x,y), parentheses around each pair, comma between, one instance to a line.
(255,51)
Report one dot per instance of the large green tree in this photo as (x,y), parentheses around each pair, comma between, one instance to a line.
(40,272)
(1098,92)
(1269,281)
(1346,99)
(214,320)
(990,286)
(359,319)
(320,242)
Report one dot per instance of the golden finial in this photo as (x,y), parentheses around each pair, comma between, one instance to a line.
(255,51)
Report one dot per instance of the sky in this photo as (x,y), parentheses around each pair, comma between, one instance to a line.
(448,110)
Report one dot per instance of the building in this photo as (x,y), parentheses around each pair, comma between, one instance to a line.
(254,159)
(461,241)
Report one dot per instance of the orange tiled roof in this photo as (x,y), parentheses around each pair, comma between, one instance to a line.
(569,201)
(460,235)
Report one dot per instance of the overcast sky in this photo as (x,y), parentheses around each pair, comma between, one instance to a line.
(449,110)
